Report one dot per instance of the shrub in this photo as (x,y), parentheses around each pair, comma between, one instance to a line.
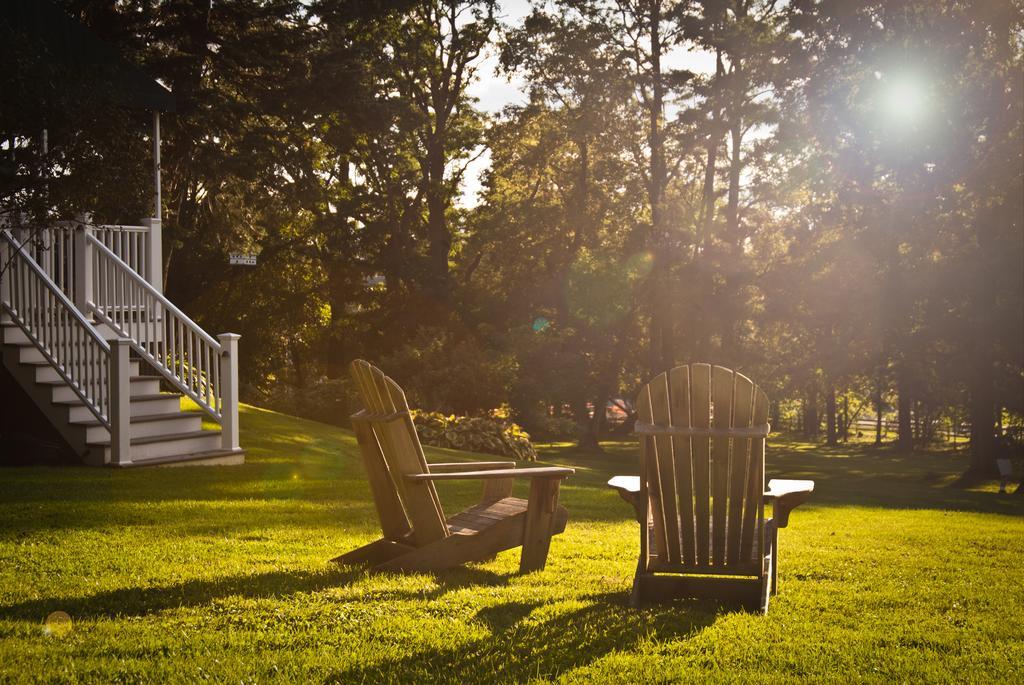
(554,428)
(474,434)
(442,372)
(329,400)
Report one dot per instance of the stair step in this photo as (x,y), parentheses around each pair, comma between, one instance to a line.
(160,425)
(140,385)
(207,458)
(29,353)
(160,403)
(156,446)
(135,398)
(45,372)
(145,418)
(150,439)
(134,379)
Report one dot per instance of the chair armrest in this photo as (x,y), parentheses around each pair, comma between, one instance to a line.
(630,484)
(777,487)
(539,472)
(787,495)
(456,466)
(628,488)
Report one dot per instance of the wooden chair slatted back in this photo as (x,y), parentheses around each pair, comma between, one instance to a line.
(704,494)
(398,452)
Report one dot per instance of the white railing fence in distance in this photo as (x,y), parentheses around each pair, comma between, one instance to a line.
(203,368)
(67,341)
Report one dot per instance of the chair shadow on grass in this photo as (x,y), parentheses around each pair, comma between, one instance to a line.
(518,649)
(143,601)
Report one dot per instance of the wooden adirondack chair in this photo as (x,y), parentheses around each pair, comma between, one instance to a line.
(416,534)
(700,494)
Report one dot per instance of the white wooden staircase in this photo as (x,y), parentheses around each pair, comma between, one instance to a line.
(106,357)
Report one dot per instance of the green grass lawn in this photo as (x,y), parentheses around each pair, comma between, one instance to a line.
(222,574)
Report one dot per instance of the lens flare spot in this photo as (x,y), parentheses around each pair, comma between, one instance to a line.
(57,624)
(639,265)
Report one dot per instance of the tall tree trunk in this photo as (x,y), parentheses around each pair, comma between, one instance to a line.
(597,425)
(440,239)
(811,420)
(298,363)
(985,289)
(879,409)
(830,416)
(905,438)
(338,297)
(983,419)
(661,355)
(713,142)
(846,417)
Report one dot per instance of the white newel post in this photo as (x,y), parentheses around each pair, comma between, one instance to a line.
(83,268)
(229,389)
(154,254)
(120,401)
(6,271)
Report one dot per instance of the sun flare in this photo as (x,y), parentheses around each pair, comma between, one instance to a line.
(904,98)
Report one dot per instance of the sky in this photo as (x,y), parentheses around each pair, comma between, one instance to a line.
(494,91)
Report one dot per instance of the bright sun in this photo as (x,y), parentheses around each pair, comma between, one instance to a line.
(904,98)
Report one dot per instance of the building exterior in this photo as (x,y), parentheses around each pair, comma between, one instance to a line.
(87,333)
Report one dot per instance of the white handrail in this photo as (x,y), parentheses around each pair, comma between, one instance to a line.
(162,334)
(67,341)
(130,243)
(53,248)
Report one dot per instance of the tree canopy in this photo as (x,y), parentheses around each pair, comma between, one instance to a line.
(833,207)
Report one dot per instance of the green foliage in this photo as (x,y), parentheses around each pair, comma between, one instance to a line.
(489,435)
(554,428)
(763,213)
(441,371)
(329,400)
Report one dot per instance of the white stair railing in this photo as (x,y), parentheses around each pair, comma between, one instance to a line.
(55,247)
(201,367)
(67,341)
(133,244)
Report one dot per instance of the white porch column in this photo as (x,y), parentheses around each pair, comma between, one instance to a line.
(120,392)
(5,278)
(154,254)
(83,269)
(229,390)
(157,213)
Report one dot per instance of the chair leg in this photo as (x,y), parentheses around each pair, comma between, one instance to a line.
(766,586)
(769,578)
(636,595)
(775,560)
(540,519)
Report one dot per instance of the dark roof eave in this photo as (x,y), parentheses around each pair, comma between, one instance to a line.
(76,47)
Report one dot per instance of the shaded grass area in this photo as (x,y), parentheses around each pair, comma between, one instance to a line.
(221,573)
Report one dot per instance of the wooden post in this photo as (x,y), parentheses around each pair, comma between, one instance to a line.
(229,390)
(6,272)
(538,528)
(154,254)
(83,268)
(120,401)
(156,165)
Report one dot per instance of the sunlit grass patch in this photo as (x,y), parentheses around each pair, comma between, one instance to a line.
(179,575)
